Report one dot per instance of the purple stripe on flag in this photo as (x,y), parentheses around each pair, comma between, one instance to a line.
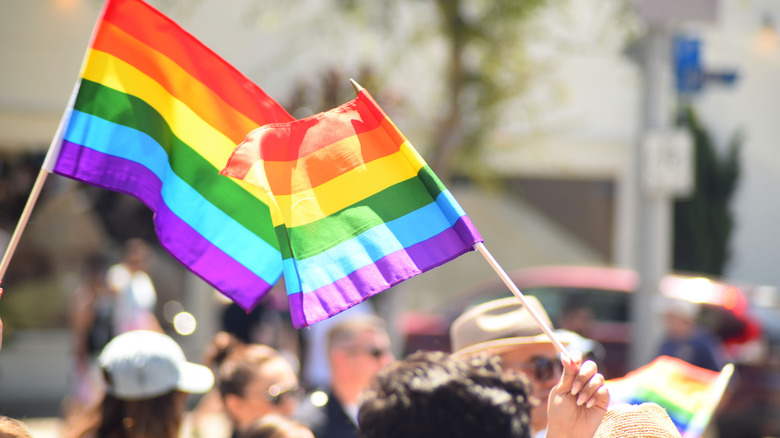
(311,307)
(213,265)
(467,231)
(185,244)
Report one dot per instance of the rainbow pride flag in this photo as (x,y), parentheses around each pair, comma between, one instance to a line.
(689,393)
(356,208)
(157,115)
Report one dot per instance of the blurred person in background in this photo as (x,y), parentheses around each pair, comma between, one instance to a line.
(268,323)
(276,426)
(315,369)
(209,418)
(91,319)
(687,340)
(357,347)
(255,381)
(433,394)
(574,326)
(506,329)
(148,380)
(135,298)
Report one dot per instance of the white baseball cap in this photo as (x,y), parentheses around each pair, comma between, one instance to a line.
(143,364)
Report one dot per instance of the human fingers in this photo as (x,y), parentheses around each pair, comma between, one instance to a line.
(571,366)
(589,394)
(599,399)
(584,374)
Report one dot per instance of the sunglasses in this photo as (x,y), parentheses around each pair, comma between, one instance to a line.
(376,353)
(542,368)
(277,395)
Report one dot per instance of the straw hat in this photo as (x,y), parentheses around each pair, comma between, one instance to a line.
(498,325)
(647,420)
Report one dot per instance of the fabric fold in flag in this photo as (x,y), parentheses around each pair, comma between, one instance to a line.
(157,116)
(358,210)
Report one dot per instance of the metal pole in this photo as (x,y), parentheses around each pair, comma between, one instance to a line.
(653,215)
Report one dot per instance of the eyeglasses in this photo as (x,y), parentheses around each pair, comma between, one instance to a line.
(543,368)
(375,352)
(277,394)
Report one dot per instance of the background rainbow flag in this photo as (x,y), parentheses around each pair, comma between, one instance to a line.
(689,394)
(157,115)
(356,208)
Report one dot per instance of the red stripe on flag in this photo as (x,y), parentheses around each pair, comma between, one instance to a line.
(160,32)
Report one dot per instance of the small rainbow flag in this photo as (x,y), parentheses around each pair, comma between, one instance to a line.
(689,393)
(356,208)
(157,115)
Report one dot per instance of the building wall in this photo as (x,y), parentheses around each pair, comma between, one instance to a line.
(741,41)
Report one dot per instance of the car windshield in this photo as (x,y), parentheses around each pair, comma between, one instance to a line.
(607,305)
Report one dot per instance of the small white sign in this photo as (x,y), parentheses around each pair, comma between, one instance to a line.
(668,163)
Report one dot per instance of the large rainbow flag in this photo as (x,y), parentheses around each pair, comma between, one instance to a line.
(157,115)
(689,394)
(356,208)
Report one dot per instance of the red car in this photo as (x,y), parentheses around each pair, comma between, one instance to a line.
(736,313)
(724,307)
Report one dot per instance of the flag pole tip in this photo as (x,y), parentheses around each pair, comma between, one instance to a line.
(355,86)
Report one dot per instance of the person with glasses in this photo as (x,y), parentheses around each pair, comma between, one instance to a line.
(255,380)
(435,394)
(357,348)
(276,426)
(506,329)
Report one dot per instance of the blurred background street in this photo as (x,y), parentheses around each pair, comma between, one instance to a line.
(634,136)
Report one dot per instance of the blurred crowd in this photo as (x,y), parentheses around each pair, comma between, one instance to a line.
(505,377)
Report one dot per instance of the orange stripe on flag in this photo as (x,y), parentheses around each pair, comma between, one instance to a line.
(323,165)
(179,83)
(160,32)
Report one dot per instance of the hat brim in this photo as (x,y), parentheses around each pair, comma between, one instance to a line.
(194,378)
(506,344)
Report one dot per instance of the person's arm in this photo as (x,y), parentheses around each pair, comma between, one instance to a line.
(578,402)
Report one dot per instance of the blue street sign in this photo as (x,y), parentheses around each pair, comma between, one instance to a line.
(687,64)
(725,77)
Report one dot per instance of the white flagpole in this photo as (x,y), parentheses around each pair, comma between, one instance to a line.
(501,273)
(703,416)
(48,166)
(51,156)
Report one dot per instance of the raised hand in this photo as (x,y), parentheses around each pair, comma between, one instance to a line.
(578,402)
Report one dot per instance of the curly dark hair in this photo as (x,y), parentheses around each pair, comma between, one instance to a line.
(432,394)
